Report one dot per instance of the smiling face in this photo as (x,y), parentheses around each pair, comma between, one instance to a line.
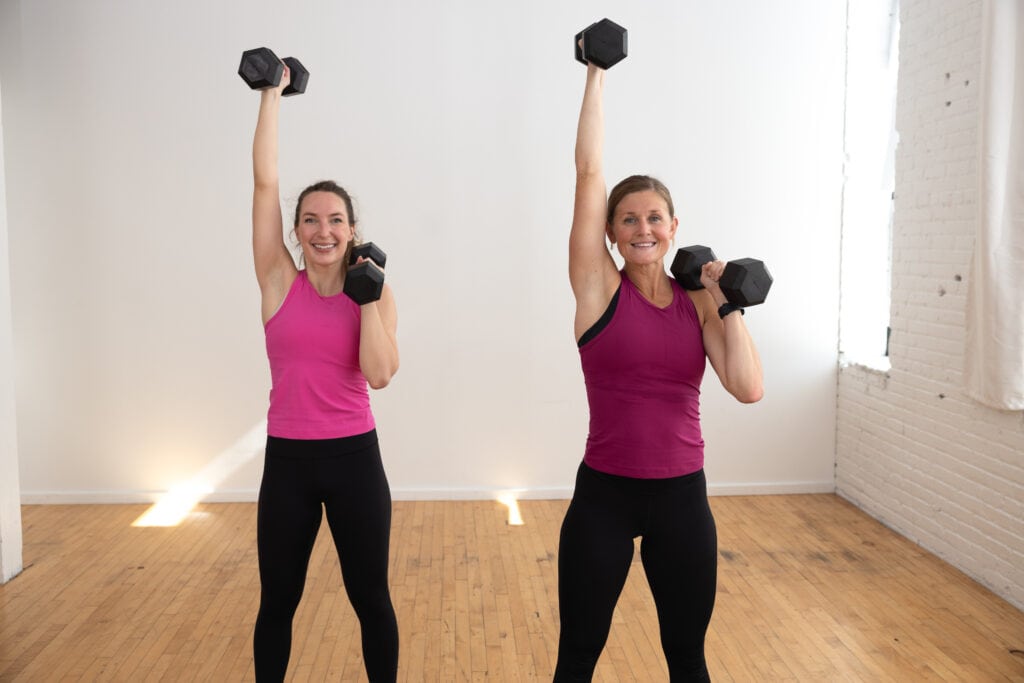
(323,229)
(642,227)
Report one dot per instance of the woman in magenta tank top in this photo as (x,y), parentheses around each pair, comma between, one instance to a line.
(322,455)
(643,341)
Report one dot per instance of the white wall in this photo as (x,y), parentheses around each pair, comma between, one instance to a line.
(127,142)
(10,493)
(913,450)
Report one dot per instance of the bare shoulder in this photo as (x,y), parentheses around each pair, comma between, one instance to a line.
(704,303)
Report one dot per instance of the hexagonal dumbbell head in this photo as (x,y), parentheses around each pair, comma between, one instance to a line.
(369,251)
(299,77)
(260,68)
(745,282)
(578,47)
(604,43)
(687,264)
(364,282)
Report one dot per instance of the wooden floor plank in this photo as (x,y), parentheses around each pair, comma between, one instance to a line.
(810,588)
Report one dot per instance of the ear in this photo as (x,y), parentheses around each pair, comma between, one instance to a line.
(675,226)
(610,232)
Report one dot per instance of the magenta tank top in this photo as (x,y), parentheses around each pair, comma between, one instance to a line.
(643,372)
(317,389)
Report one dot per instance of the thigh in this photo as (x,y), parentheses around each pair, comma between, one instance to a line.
(287,521)
(680,557)
(357,499)
(595,552)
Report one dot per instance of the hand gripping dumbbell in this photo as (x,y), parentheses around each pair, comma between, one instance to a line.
(261,69)
(604,44)
(745,282)
(364,281)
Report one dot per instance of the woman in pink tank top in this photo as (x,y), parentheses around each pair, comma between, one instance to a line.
(322,455)
(643,341)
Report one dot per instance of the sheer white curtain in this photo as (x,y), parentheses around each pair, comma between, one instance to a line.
(994,365)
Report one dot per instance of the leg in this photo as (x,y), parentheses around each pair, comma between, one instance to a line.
(359,515)
(286,526)
(595,550)
(680,557)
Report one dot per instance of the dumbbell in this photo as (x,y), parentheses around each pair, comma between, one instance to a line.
(745,281)
(261,69)
(364,282)
(604,44)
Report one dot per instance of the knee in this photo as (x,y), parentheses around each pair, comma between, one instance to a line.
(370,601)
(279,602)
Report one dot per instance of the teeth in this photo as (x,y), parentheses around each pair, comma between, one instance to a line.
(324,246)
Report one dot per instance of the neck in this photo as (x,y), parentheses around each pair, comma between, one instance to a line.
(649,278)
(326,280)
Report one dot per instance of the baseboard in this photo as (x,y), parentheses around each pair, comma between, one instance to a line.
(551,493)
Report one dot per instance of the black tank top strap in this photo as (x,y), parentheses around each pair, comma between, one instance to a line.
(602,322)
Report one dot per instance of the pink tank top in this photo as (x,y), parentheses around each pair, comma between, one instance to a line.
(317,389)
(643,373)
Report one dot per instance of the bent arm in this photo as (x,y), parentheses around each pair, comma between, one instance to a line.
(728,343)
(378,341)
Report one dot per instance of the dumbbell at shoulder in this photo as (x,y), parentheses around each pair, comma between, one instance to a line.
(364,282)
(370,251)
(744,282)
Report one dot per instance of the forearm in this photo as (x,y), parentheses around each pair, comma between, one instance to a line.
(378,347)
(590,131)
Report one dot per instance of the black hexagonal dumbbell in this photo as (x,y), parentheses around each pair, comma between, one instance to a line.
(261,69)
(604,44)
(745,282)
(364,282)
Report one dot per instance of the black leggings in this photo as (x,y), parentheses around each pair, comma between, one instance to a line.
(347,478)
(679,554)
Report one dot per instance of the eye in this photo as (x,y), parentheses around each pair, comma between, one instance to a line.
(629,220)
(655,218)
(338,221)
(309,219)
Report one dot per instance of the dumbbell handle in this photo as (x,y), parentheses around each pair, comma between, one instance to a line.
(745,282)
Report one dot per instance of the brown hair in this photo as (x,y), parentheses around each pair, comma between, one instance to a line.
(330,186)
(638,183)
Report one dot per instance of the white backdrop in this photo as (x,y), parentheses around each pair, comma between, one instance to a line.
(994,361)
(127,137)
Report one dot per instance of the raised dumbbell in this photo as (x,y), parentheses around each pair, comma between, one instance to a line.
(604,44)
(261,69)
(745,281)
(364,282)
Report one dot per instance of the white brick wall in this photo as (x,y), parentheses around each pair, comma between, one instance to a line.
(912,449)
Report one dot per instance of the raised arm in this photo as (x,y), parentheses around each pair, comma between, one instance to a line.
(592,272)
(727,341)
(275,269)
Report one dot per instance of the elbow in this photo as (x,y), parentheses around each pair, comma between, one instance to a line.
(378,382)
(750,394)
(380,378)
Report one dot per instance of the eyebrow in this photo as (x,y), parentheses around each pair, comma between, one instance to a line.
(314,214)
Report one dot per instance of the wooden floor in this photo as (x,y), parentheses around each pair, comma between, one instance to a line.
(810,589)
